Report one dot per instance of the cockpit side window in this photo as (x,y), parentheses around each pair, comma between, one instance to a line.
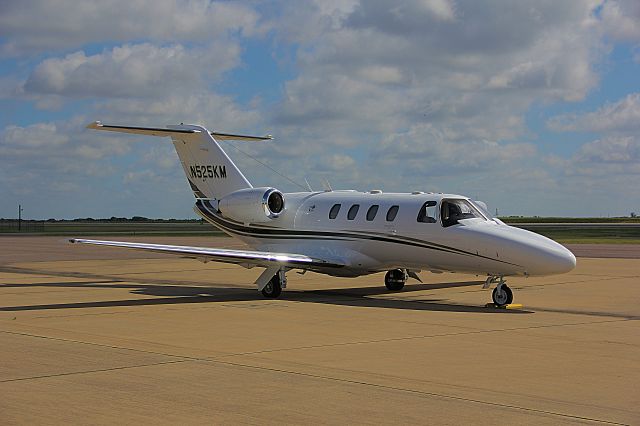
(452,211)
(427,213)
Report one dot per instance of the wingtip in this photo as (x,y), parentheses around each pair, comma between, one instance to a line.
(94,125)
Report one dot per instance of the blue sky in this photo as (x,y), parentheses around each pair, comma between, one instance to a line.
(533,107)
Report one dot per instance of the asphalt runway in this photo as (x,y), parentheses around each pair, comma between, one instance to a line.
(95,335)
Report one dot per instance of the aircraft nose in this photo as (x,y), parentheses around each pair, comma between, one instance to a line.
(560,260)
(540,255)
(531,253)
(549,259)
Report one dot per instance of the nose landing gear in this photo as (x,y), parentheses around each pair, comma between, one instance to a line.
(502,294)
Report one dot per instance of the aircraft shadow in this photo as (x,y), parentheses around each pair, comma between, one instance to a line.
(179,294)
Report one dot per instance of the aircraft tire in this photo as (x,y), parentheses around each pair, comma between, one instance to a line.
(394,280)
(273,289)
(503,297)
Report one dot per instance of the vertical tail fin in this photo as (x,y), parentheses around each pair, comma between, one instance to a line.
(209,170)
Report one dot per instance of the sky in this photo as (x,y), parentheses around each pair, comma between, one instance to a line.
(531,107)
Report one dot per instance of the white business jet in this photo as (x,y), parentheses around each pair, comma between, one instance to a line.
(345,233)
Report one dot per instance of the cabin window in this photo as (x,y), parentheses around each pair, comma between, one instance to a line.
(427,213)
(391,213)
(353,211)
(452,211)
(333,213)
(371,213)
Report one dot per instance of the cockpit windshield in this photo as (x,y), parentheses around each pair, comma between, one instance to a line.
(452,211)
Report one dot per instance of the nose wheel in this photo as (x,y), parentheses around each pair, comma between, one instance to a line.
(394,280)
(502,295)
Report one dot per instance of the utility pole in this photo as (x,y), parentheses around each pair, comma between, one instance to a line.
(20,217)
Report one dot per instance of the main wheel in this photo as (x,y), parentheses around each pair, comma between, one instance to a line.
(394,280)
(273,288)
(502,295)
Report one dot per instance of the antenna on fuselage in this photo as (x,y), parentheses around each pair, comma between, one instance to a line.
(326,185)
(263,163)
(308,185)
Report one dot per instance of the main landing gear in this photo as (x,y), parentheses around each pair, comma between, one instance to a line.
(274,286)
(394,280)
(502,294)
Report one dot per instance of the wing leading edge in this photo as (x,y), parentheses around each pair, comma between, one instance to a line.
(244,257)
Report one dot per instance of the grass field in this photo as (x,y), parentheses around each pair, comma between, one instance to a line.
(70,228)
(535,219)
(577,231)
(599,234)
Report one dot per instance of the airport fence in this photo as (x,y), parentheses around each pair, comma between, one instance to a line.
(107,227)
(12,226)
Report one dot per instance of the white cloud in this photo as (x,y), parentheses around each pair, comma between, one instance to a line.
(138,70)
(216,111)
(37,26)
(39,135)
(439,102)
(622,116)
(426,151)
(60,146)
(612,150)
(380,69)
(621,19)
(428,95)
(57,164)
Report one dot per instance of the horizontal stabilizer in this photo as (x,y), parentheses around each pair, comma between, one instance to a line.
(229,136)
(173,130)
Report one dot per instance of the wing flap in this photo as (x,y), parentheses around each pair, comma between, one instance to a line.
(257,258)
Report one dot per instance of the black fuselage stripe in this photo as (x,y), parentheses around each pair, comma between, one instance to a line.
(256,232)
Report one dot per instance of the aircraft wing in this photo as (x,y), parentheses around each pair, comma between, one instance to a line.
(243,257)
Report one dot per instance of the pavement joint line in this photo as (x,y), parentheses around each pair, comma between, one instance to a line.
(214,360)
(83,315)
(414,299)
(27,271)
(524,286)
(420,392)
(100,370)
(70,284)
(103,345)
(499,393)
(588,313)
(164,272)
(219,357)
(395,339)
(316,376)
(40,292)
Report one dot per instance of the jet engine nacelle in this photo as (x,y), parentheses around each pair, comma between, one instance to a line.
(252,205)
